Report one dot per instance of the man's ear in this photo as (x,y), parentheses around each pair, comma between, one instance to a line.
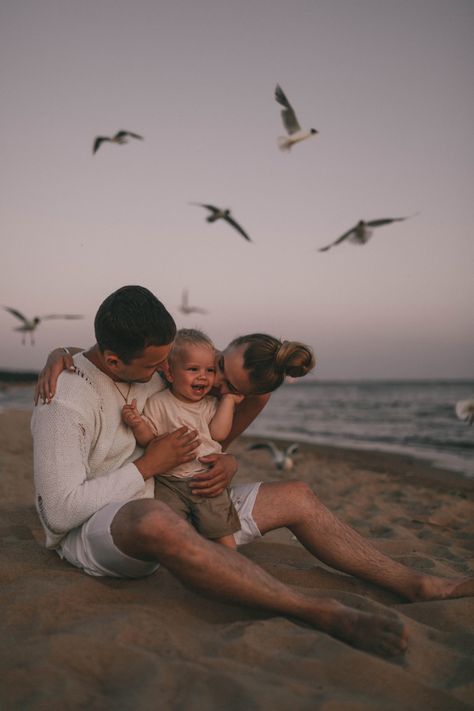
(112,360)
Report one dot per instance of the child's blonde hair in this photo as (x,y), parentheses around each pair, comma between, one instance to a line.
(189,337)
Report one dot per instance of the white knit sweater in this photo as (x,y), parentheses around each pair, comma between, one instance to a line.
(83,453)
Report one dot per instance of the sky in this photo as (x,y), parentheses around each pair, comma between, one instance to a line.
(388,86)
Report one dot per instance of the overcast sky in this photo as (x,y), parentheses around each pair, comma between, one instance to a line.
(388,85)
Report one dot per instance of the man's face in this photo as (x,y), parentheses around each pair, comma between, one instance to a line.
(141,369)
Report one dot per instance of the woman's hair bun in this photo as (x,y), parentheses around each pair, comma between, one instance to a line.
(295,359)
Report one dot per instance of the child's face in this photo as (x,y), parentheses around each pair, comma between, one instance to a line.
(192,372)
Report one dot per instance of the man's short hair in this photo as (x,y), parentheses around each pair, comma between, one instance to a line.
(130,320)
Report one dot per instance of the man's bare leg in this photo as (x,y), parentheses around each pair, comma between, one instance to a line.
(228,541)
(293,505)
(148,530)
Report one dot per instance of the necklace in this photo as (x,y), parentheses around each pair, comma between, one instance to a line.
(125,397)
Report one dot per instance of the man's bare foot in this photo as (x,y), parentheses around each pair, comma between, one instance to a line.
(434,588)
(379,634)
(376,633)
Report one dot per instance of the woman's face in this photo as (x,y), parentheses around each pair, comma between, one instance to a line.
(231,376)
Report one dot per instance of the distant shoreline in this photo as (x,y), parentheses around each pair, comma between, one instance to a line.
(18,376)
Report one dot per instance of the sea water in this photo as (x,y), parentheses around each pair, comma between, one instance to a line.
(405,417)
(415,418)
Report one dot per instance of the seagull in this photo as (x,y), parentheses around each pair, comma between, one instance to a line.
(361,232)
(281,458)
(465,410)
(290,122)
(218,213)
(30,325)
(185,308)
(120,138)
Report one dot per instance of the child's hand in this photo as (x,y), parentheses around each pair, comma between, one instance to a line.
(130,414)
(237,398)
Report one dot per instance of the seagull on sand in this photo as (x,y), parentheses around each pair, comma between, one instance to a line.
(218,213)
(465,410)
(361,232)
(120,138)
(30,325)
(281,458)
(290,122)
(186,308)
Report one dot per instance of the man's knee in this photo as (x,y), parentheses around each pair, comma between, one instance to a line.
(148,523)
(302,491)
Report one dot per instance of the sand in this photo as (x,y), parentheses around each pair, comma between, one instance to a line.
(69,641)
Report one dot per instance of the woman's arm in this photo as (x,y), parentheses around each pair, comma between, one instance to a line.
(58,360)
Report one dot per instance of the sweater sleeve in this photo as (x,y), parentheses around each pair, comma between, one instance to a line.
(65,496)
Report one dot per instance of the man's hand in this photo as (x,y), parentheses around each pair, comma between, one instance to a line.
(166,452)
(217,478)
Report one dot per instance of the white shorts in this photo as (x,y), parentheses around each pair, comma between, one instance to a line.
(92,548)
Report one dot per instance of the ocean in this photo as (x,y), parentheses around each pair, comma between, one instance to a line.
(404,417)
(414,418)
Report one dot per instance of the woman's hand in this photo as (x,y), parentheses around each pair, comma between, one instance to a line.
(58,360)
(217,478)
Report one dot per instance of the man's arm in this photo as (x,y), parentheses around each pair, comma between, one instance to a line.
(62,440)
(66,493)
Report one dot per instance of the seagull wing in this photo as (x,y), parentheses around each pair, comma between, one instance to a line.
(338,240)
(184,300)
(269,446)
(212,208)
(288,115)
(292,449)
(66,316)
(98,141)
(235,224)
(122,134)
(16,313)
(384,221)
(465,410)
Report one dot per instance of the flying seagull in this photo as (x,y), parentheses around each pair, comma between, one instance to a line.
(120,138)
(290,122)
(218,213)
(281,458)
(185,307)
(465,410)
(361,232)
(30,325)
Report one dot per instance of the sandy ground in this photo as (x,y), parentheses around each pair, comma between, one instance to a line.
(69,641)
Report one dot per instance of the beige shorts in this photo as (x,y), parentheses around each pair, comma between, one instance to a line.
(213,517)
(92,548)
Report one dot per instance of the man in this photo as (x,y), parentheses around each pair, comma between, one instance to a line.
(94,491)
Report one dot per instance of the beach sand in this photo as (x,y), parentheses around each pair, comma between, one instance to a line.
(70,641)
